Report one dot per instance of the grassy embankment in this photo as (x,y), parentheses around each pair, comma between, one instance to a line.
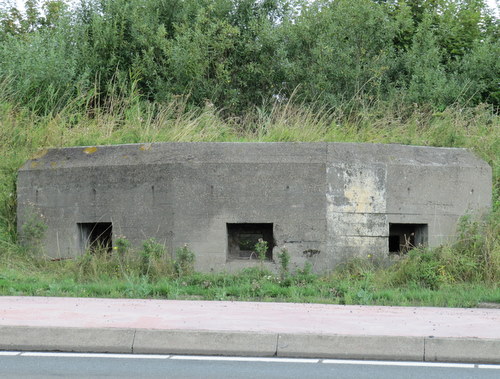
(462,274)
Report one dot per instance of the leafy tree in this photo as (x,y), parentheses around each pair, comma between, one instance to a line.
(338,50)
(240,54)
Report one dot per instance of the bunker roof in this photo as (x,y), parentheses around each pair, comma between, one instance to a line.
(250,152)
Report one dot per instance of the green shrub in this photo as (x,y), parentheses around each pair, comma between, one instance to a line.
(184,263)
(478,242)
(122,246)
(261,250)
(474,257)
(420,267)
(284,261)
(155,263)
(242,54)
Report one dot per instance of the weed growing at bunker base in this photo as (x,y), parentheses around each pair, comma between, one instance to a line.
(154,260)
(122,262)
(59,279)
(461,274)
(284,261)
(184,264)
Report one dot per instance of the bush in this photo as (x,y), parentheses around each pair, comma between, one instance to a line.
(473,258)
(478,242)
(420,267)
(184,264)
(242,54)
(154,260)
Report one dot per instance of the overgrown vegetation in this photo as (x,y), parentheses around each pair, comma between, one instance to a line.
(239,54)
(115,71)
(437,277)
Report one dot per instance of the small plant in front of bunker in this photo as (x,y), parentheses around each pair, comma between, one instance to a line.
(122,245)
(184,264)
(284,259)
(261,250)
(154,260)
(121,249)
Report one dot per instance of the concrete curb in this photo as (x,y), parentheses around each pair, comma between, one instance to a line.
(97,340)
(351,347)
(149,341)
(474,350)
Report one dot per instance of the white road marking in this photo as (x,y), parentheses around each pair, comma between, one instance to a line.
(248,359)
(95,355)
(244,359)
(495,367)
(403,363)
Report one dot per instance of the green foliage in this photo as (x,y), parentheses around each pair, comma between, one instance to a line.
(474,257)
(261,250)
(284,261)
(152,255)
(184,264)
(478,246)
(238,55)
(338,50)
(122,246)
(8,225)
(427,81)
(420,267)
(100,275)
(123,263)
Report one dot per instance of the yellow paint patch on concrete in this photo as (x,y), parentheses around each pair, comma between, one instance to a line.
(35,164)
(362,192)
(145,147)
(53,164)
(90,150)
(39,154)
(360,198)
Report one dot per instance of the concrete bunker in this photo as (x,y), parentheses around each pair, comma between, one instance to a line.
(324,202)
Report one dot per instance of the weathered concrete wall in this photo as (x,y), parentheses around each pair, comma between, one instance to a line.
(326,201)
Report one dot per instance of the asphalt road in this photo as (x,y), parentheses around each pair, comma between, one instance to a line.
(78,365)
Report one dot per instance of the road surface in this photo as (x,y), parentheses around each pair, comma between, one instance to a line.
(81,365)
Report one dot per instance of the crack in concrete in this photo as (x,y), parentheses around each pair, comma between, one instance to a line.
(133,342)
(277,344)
(423,356)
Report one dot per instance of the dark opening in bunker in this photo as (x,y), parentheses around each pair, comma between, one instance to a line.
(95,236)
(404,237)
(242,239)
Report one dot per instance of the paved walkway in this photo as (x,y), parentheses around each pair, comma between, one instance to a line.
(250,328)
